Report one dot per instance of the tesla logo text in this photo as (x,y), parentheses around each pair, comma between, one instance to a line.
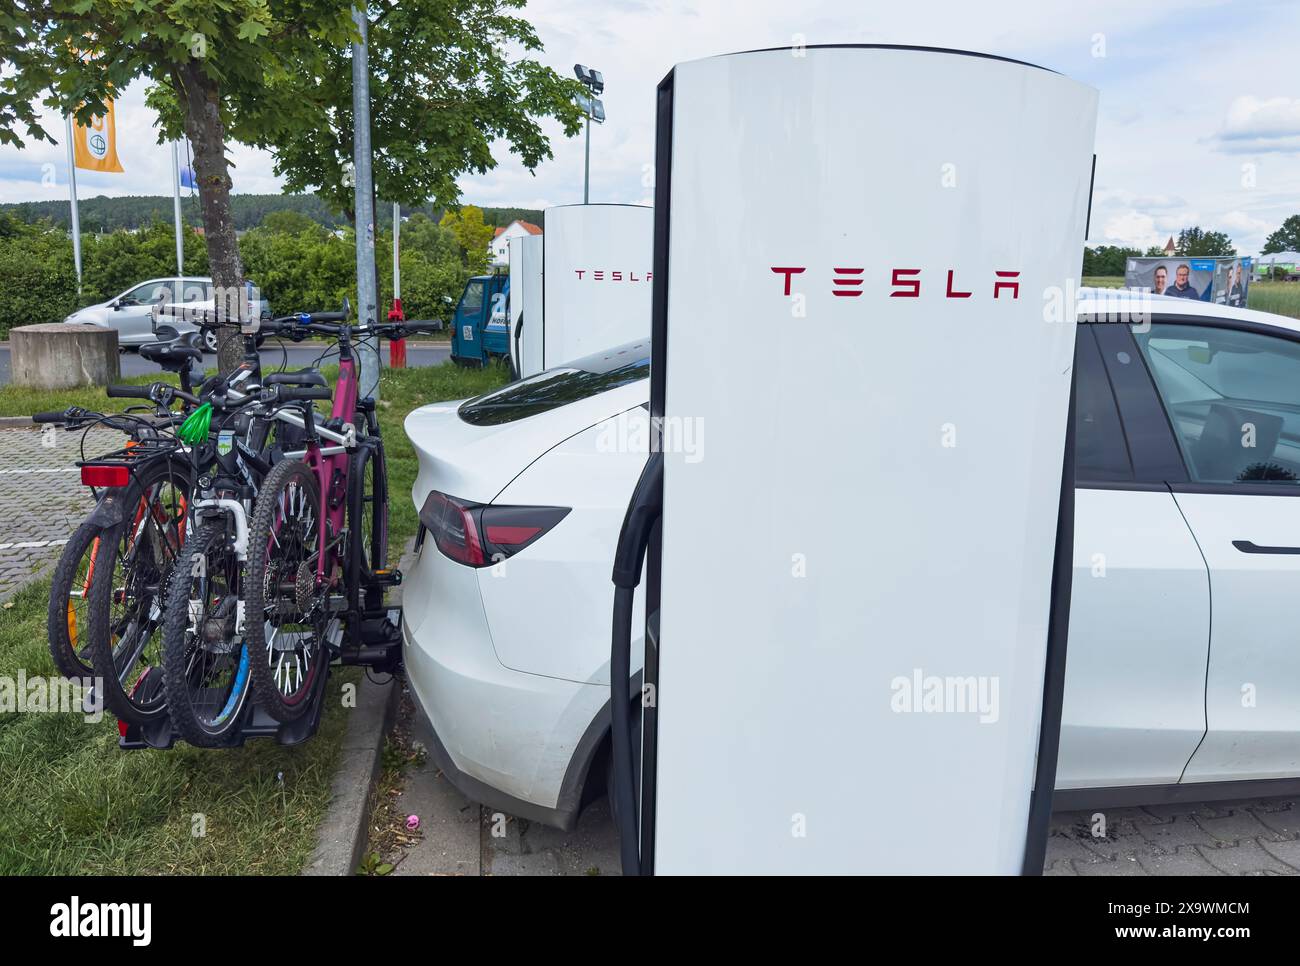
(606,275)
(905,283)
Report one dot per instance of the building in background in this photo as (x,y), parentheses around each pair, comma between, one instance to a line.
(1283,265)
(499,247)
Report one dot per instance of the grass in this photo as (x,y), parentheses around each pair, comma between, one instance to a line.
(1104,281)
(1280,298)
(72,803)
(24,401)
(400,391)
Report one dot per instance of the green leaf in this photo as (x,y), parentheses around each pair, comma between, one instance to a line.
(252,29)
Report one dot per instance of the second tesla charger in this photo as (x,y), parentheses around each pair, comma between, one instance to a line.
(583,287)
(858,585)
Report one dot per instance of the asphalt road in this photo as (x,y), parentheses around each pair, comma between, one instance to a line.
(417,354)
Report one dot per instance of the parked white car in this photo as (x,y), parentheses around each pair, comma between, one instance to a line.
(132,312)
(1187,506)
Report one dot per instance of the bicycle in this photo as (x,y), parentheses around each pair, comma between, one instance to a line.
(233,444)
(319,521)
(108,577)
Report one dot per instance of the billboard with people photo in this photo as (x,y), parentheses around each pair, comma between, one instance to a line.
(1222,280)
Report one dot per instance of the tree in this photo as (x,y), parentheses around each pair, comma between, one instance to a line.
(442,91)
(276,73)
(1106,260)
(1195,241)
(291,222)
(472,235)
(215,63)
(1286,238)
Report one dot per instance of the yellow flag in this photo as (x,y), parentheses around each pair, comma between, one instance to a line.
(95,146)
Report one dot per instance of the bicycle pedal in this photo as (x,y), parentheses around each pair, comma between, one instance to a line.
(387,578)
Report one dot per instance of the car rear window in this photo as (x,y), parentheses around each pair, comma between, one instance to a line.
(553,388)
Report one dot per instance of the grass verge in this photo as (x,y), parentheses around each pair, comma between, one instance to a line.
(1280,298)
(72,803)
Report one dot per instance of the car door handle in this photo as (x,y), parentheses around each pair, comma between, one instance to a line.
(1249,546)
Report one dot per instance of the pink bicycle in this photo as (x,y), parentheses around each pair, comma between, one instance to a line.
(318,537)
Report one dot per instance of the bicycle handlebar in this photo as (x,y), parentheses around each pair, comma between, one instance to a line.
(129,392)
(330,323)
(304,393)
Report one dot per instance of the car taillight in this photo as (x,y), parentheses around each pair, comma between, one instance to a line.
(105,474)
(480,536)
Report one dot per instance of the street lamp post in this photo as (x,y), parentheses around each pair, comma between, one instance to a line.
(594,109)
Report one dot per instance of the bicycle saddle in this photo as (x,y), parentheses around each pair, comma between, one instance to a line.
(172,356)
(303,377)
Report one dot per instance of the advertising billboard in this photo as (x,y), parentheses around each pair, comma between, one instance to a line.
(1222,280)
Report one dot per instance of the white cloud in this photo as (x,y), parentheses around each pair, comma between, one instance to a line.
(1257,125)
(1187,95)
(1132,229)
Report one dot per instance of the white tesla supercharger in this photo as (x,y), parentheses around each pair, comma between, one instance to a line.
(858,573)
(585,287)
(526,253)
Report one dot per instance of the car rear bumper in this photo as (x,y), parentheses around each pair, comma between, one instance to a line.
(508,739)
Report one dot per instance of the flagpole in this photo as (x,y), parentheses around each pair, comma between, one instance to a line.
(176,212)
(72,193)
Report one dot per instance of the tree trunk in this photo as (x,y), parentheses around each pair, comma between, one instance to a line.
(201,100)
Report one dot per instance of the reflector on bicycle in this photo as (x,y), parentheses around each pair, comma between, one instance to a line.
(105,474)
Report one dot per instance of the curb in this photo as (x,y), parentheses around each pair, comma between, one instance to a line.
(341,839)
(343,835)
(16,422)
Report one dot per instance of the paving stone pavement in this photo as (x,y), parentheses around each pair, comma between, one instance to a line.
(41,497)
(1249,837)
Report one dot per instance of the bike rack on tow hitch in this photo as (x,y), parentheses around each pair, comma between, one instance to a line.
(379,648)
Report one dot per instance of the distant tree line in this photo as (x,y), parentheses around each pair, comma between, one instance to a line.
(1194,242)
(131,213)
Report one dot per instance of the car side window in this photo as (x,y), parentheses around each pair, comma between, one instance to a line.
(145,294)
(1100,452)
(1233,399)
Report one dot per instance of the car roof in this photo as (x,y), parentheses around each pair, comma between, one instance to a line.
(1100,301)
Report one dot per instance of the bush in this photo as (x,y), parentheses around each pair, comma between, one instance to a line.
(298,265)
(38,282)
(113,263)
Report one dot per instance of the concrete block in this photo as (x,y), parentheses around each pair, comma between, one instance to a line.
(60,356)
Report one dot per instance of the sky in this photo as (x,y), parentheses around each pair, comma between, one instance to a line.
(1199,117)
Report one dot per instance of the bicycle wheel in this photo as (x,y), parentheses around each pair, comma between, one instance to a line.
(368,520)
(285,609)
(127,594)
(205,662)
(67,623)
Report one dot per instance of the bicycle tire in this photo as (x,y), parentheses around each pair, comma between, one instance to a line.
(271,670)
(204,715)
(67,624)
(128,594)
(368,520)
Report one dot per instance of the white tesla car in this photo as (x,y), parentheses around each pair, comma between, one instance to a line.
(1183,680)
